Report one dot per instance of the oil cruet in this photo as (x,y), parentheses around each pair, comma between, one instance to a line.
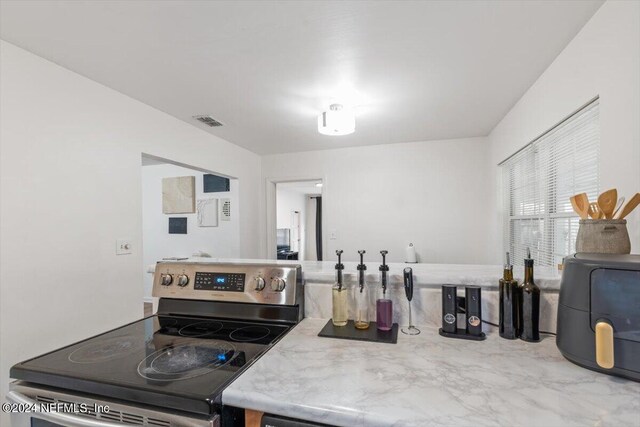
(339,292)
(530,304)
(508,302)
(384,306)
(361,297)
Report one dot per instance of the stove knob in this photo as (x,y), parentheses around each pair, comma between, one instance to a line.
(166,280)
(260,284)
(277,284)
(183,280)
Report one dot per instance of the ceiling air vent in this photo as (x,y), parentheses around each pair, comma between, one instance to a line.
(208,120)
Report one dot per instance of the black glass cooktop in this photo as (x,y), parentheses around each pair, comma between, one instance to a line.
(178,362)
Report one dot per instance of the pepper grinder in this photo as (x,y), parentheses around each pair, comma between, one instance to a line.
(408,290)
(384,306)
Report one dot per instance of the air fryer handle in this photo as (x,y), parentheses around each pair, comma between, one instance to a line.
(408,282)
(604,344)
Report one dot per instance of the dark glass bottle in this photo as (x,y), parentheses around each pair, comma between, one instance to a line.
(530,312)
(509,300)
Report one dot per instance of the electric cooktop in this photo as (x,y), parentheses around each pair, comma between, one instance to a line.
(177,362)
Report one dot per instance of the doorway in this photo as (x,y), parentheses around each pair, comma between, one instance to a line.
(298,225)
(187,212)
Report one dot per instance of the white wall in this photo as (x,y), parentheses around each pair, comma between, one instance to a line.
(220,242)
(433,194)
(70,185)
(288,201)
(70,182)
(603,59)
(310,229)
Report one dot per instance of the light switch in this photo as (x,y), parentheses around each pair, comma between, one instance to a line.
(333,235)
(123,246)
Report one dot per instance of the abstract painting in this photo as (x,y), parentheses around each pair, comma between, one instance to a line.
(208,213)
(214,183)
(179,194)
(178,225)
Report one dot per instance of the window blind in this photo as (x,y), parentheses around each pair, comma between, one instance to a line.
(538,181)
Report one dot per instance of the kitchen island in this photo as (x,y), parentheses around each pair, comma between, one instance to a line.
(428,380)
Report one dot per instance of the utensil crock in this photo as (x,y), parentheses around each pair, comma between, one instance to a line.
(603,236)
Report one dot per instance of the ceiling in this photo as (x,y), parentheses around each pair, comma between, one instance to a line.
(412,70)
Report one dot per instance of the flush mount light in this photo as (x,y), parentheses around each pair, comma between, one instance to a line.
(318,184)
(337,121)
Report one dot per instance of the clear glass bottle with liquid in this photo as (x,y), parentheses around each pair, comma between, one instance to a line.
(340,296)
(361,297)
(384,306)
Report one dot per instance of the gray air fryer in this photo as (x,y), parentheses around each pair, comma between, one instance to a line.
(599,313)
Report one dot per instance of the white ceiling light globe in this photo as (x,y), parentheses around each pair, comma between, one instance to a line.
(337,121)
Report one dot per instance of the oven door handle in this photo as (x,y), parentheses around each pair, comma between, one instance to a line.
(62,418)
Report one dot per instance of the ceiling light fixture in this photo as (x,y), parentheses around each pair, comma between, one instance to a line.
(318,184)
(337,121)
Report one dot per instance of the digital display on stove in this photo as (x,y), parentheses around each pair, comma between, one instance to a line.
(229,282)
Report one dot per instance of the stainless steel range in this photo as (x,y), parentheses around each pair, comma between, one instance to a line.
(213,321)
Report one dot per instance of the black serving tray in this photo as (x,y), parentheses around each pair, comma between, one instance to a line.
(349,332)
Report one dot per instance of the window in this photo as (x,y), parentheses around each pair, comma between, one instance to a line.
(538,182)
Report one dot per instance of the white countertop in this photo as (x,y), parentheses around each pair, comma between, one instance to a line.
(430,380)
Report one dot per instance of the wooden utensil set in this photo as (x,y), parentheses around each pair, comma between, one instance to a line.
(607,206)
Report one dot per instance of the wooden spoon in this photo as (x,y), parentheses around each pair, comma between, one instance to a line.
(630,206)
(594,210)
(580,203)
(618,205)
(607,202)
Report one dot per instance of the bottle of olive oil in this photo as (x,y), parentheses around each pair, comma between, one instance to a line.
(530,319)
(361,297)
(340,299)
(508,302)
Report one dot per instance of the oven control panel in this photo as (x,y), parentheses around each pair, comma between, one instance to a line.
(230,282)
(257,283)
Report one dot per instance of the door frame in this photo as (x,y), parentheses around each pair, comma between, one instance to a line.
(271,211)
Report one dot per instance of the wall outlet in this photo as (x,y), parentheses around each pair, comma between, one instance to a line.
(123,247)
